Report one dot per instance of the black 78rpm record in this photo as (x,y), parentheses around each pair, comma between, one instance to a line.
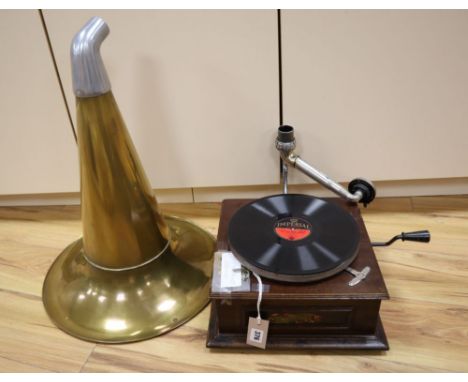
(295,238)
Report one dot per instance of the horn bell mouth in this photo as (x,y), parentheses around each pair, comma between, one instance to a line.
(105,306)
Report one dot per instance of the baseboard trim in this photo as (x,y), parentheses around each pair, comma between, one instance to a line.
(171,195)
(393,188)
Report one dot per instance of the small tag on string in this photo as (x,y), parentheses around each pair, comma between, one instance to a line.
(257,331)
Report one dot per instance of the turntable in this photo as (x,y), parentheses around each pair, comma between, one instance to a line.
(317,281)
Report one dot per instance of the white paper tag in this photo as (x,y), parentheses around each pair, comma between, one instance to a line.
(231,271)
(257,332)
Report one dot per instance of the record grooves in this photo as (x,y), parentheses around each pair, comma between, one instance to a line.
(295,238)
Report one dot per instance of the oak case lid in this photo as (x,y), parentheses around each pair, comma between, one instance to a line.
(335,287)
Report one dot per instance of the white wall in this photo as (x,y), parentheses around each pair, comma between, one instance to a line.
(379,94)
(37,148)
(197,89)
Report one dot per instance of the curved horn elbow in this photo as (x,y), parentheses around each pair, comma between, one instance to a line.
(88,72)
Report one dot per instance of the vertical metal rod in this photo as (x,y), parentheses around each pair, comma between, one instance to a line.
(285,177)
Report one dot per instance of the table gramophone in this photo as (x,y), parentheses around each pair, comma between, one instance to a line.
(322,286)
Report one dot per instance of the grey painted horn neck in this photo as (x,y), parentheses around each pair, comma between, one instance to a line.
(88,71)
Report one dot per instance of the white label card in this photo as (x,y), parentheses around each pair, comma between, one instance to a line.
(231,271)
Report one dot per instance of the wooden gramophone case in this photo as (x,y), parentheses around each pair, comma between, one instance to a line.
(327,314)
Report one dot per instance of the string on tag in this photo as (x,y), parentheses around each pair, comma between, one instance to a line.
(259,299)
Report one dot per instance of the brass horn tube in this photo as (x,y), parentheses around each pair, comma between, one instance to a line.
(134,274)
(129,231)
(122,226)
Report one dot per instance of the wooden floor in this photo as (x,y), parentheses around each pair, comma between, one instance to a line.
(426,319)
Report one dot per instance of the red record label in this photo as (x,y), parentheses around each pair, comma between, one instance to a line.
(292,229)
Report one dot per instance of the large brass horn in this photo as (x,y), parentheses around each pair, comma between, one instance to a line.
(135,274)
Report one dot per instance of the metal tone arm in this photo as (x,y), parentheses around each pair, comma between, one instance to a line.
(359,190)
